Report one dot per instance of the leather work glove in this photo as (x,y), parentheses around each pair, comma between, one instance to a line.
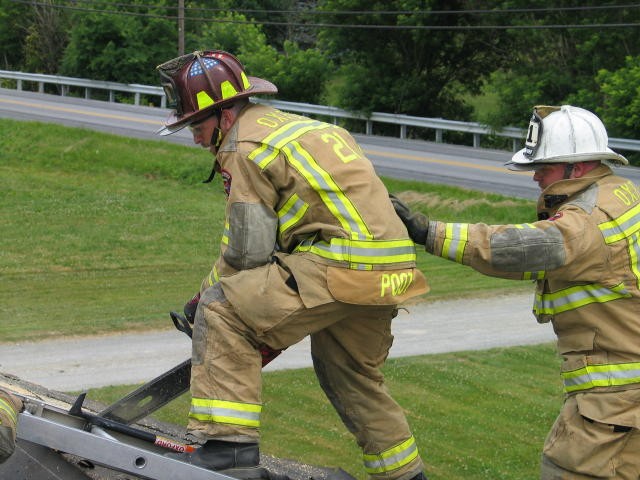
(417,224)
(10,406)
(190,308)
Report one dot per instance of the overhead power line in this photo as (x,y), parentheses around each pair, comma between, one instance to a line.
(376,12)
(353,26)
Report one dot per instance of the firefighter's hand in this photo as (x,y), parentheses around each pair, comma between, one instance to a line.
(417,224)
(10,406)
(190,308)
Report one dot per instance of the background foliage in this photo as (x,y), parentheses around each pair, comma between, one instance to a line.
(488,61)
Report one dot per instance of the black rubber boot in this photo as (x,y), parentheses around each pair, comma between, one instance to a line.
(240,460)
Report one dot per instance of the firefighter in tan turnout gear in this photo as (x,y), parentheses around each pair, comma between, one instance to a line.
(583,253)
(10,406)
(311,246)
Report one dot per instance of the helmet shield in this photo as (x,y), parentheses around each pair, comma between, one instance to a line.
(564,135)
(198,83)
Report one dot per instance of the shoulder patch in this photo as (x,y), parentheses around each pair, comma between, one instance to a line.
(557,216)
(226,181)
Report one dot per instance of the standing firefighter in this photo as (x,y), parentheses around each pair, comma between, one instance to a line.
(584,253)
(10,405)
(311,246)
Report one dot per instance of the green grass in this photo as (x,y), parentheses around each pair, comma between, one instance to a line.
(475,415)
(106,234)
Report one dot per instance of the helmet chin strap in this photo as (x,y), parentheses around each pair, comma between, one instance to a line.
(216,140)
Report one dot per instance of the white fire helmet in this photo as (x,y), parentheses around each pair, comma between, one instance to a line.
(564,134)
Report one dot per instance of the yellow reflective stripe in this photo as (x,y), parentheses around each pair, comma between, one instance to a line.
(8,409)
(291,213)
(634,255)
(245,80)
(225,234)
(622,227)
(204,100)
(324,185)
(533,275)
(213,276)
(277,139)
(227,90)
(576,297)
(591,376)
(362,254)
(626,226)
(456,236)
(223,411)
(391,459)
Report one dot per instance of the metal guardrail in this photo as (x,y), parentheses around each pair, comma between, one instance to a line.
(403,121)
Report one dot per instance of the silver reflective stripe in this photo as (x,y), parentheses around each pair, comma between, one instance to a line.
(576,297)
(391,459)
(592,376)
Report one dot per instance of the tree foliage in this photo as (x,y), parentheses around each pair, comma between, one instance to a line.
(556,65)
(400,69)
(418,57)
(120,48)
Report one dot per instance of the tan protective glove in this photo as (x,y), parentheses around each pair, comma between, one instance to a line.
(417,224)
(10,406)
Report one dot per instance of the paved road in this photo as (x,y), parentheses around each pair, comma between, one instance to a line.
(80,363)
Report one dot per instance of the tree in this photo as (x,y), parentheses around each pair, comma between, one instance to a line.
(620,104)
(420,64)
(298,73)
(46,38)
(118,46)
(552,64)
(15,19)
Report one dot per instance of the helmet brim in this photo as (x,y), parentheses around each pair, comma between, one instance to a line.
(520,162)
(175,123)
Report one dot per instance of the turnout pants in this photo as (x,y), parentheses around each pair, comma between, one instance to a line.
(579,447)
(349,344)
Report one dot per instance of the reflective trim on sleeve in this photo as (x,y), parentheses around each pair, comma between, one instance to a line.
(225,234)
(223,411)
(213,277)
(291,213)
(391,459)
(591,376)
(533,275)
(455,241)
(576,297)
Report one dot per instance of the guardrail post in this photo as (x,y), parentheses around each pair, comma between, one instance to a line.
(476,140)
(40,87)
(19,84)
(438,135)
(136,98)
(111,96)
(403,132)
(369,127)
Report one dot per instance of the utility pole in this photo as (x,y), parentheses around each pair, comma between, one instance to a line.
(180,27)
